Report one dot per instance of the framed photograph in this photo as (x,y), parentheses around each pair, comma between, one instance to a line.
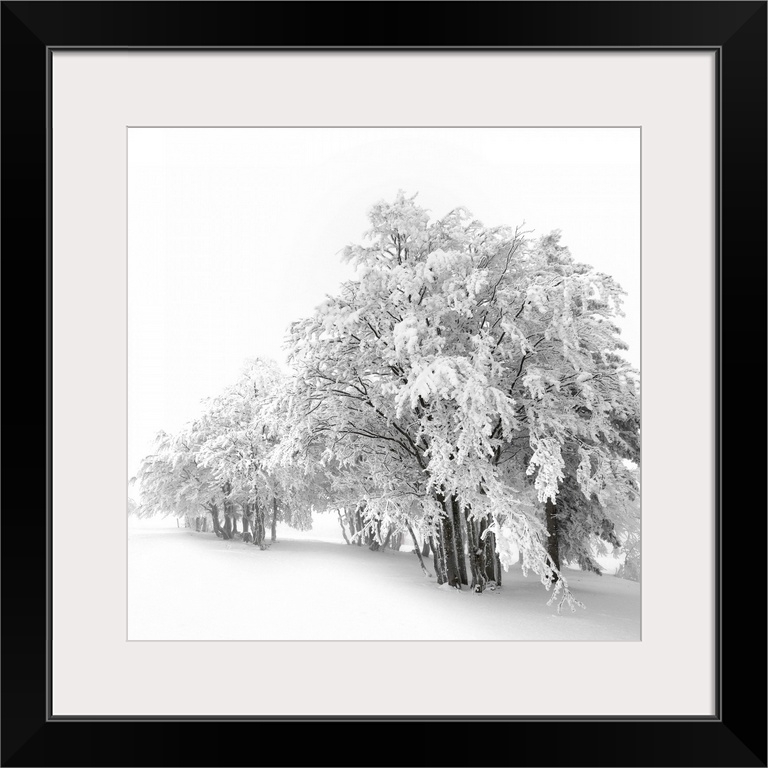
(433,336)
(344,462)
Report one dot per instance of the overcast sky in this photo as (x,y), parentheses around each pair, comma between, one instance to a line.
(235,232)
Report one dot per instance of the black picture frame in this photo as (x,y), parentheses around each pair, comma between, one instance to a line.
(735,736)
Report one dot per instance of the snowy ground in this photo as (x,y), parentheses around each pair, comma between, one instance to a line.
(310,585)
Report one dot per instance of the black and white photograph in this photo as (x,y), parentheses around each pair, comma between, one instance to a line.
(384,384)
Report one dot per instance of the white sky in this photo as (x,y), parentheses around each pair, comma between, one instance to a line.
(235,232)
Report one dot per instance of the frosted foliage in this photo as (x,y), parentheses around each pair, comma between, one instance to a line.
(225,461)
(630,568)
(547,457)
(406,335)
(469,361)
(592,482)
(515,541)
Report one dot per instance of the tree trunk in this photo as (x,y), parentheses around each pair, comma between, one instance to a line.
(247,535)
(359,532)
(216,523)
(438,559)
(273,532)
(492,562)
(553,543)
(449,554)
(375,538)
(256,524)
(262,528)
(229,512)
(343,529)
(234,525)
(489,559)
(459,531)
(453,576)
(417,550)
(475,555)
(351,525)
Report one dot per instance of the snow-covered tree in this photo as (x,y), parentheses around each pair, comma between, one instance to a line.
(222,463)
(172,481)
(237,449)
(454,379)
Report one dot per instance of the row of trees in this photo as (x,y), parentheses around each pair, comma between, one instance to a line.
(218,467)
(467,389)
